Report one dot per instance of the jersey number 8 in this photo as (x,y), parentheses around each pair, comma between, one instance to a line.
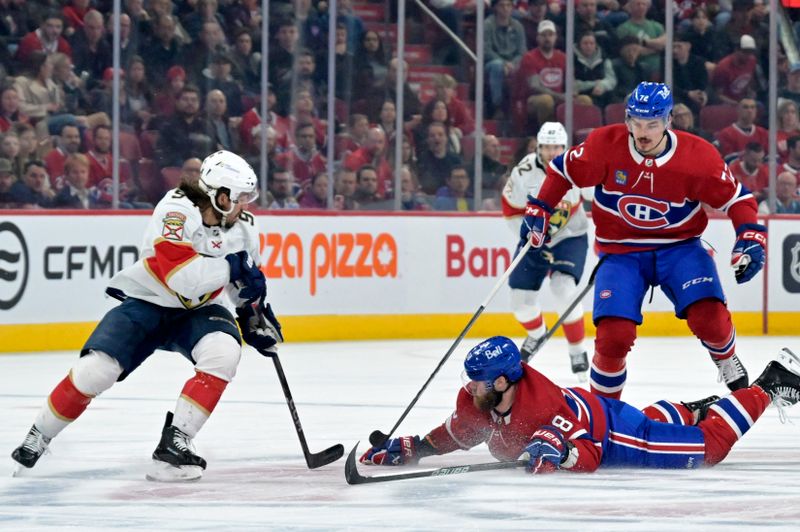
(561,423)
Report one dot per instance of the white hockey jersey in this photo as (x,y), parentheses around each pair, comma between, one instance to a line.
(181,262)
(568,220)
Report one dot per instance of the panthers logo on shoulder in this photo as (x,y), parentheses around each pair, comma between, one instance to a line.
(560,217)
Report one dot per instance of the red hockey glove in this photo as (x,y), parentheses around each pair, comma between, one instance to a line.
(547,450)
(394,452)
(749,251)
(535,223)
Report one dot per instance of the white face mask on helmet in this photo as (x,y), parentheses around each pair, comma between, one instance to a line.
(550,134)
(227,170)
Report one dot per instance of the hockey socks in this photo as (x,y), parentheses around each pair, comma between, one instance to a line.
(669,412)
(729,419)
(198,399)
(615,337)
(64,405)
(710,321)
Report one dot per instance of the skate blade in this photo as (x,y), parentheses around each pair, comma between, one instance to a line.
(789,360)
(164,472)
(19,470)
(582,376)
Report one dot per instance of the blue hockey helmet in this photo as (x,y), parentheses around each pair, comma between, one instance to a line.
(492,358)
(649,100)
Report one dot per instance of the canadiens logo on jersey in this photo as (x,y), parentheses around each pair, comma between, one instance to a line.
(643,213)
(173,226)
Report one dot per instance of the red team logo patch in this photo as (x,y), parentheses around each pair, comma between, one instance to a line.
(643,213)
(605,294)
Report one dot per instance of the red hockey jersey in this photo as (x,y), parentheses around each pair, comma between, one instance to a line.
(538,401)
(640,202)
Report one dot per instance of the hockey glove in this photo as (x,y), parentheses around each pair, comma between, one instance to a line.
(246,276)
(260,328)
(749,251)
(547,450)
(535,223)
(394,452)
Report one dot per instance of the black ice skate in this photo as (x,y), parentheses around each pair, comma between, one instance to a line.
(732,373)
(529,347)
(781,379)
(174,459)
(699,408)
(32,448)
(580,362)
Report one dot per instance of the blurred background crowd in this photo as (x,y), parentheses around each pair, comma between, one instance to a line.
(191,83)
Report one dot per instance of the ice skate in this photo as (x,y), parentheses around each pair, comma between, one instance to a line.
(529,347)
(699,408)
(781,379)
(580,363)
(732,373)
(32,448)
(174,459)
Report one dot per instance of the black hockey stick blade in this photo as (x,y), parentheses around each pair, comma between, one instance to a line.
(352,476)
(322,458)
(313,460)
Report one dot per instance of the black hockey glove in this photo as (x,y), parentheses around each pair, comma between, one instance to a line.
(260,328)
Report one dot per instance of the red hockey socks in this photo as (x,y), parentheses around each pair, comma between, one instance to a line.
(66,401)
(710,321)
(575,331)
(615,337)
(669,412)
(729,419)
(198,398)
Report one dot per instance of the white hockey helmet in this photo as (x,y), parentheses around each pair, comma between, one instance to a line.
(227,170)
(552,134)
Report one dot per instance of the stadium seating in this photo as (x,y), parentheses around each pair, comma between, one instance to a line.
(716,117)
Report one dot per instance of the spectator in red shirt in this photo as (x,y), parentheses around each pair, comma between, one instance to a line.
(460,116)
(373,153)
(732,139)
(166,98)
(788,125)
(751,170)
(316,195)
(251,125)
(74,13)
(540,79)
(792,162)
(734,76)
(303,159)
(68,143)
(356,135)
(9,108)
(46,38)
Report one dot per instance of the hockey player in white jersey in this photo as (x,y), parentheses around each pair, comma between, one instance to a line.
(199,243)
(563,257)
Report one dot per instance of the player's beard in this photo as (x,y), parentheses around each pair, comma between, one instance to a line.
(487,401)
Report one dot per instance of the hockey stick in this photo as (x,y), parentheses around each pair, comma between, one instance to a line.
(377,438)
(552,330)
(352,476)
(313,460)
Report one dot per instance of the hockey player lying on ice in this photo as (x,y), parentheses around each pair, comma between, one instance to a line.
(515,409)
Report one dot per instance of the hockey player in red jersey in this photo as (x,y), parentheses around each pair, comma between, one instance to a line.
(200,242)
(650,186)
(514,409)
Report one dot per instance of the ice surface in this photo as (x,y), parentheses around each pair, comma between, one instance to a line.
(257,479)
